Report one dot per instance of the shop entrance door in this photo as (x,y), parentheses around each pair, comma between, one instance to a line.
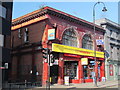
(54,74)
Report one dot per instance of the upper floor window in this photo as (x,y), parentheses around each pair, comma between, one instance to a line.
(118,52)
(87,42)
(69,38)
(110,32)
(117,34)
(12,41)
(3,11)
(111,51)
(19,33)
(1,40)
(26,37)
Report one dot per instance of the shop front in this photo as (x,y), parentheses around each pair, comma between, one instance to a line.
(91,67)
(79,64)
(71,67)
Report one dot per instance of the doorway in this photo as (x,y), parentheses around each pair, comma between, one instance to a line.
(54,74)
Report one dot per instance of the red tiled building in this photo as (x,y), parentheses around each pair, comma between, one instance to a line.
(69,38)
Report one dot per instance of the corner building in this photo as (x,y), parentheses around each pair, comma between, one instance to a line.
(68,37)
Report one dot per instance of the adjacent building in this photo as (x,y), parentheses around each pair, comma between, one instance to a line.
(69,40)
(112,48)
(5,32)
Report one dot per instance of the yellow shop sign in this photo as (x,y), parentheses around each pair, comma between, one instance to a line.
(84,61)
(74,50)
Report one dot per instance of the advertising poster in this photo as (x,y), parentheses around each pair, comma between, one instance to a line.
(51,34)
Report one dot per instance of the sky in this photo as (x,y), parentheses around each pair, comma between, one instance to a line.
(83,10)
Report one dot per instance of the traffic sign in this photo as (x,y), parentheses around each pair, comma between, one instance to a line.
(99,42)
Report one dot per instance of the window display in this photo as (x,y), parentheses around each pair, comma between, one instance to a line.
(70,69)
(88,70)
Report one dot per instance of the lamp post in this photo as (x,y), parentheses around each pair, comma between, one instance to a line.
(104,10)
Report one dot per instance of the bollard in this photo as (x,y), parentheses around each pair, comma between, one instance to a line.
(25,83)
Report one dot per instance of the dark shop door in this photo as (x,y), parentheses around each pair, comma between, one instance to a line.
(54,74)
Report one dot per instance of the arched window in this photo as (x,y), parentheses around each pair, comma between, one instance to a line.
(69,38)
(87,42)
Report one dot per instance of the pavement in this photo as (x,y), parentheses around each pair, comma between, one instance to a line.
(115,84)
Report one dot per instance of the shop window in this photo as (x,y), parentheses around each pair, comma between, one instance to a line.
(26,37)
(87,42)
(89,70)
(71,69)
(69,38)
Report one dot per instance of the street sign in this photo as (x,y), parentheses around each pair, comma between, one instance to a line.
(99,42)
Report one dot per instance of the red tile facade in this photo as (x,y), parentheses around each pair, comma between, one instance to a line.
(27,57)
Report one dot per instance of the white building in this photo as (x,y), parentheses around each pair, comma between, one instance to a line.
(112,48)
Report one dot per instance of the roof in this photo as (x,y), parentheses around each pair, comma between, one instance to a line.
(52,11)
(105,21)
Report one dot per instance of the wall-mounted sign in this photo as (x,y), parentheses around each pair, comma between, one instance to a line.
(74,50)
(99,42)
(84,61)
(51,34)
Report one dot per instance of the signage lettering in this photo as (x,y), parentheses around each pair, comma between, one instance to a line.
(76,51)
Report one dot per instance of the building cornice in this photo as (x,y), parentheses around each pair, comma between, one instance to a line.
(108,22)
(54,12)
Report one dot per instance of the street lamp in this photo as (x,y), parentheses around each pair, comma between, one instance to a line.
(104,10)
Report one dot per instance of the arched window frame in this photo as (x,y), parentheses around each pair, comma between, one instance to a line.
(87,42)
(70,38)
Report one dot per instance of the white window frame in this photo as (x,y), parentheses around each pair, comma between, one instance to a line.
(26,36)
(4,11)
(1,40)
(19,33)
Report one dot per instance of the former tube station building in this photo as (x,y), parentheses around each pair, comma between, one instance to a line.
(69,38)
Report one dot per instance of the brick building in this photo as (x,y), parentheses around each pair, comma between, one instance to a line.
(70,40)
